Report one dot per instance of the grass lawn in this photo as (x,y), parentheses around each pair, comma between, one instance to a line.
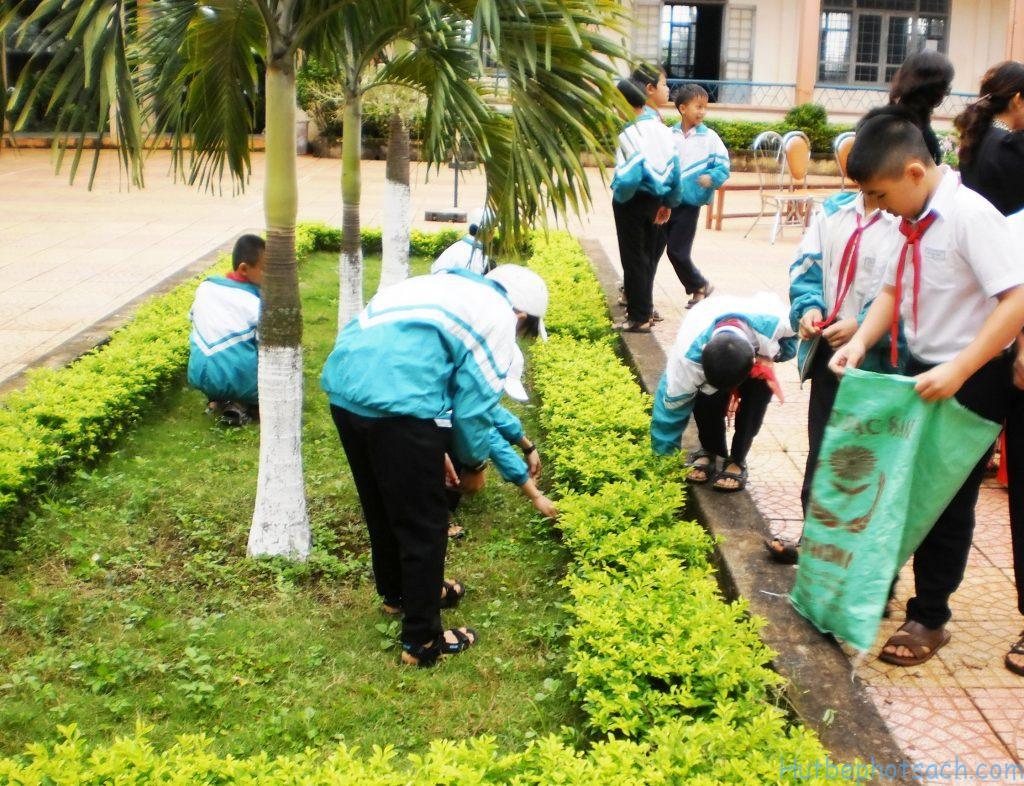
(129,598)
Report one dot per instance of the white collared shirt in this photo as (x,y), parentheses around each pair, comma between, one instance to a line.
(879,244)
(967,258)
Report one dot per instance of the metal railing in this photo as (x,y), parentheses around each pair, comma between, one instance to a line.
(775,95)
(854,98)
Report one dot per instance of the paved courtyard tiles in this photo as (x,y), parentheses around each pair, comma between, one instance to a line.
(69,257)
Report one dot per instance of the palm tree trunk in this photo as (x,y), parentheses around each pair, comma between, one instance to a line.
(280,524)
(350,265)
(397,197)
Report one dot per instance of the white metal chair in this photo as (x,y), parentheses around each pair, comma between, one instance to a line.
(782,164)
(841,147)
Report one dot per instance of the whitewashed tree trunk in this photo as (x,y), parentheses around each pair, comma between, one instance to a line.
(397,198)
(280,524)
(350,263)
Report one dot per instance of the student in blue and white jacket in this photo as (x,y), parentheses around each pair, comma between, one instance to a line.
(467,253)
(223,347)
(423,348)
(704,162)
(645,187)
(725,345)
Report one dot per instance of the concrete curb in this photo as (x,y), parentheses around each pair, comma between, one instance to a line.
(819,673)
(98,333)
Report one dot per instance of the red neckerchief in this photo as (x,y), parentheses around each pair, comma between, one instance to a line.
(913,232)
(848,268)
(731,322)
(233,276)
(763,369)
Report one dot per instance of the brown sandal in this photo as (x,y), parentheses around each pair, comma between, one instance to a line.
(787,552)
(924,642)
(1016,649)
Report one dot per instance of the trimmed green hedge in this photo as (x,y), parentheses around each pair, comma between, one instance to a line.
(673,677)
(64,418)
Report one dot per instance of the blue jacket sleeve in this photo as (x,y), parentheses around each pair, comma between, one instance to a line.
(508,425)
(806,281)
(473,400)
(718,170)
(506,460)
(669,419)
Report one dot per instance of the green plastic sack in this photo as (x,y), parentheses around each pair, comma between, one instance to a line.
(890,462)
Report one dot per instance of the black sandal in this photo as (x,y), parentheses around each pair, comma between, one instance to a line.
(740,478)
(454,591)
(635,327)
(235,415)
(699,295)
(1016,649)
(709,469)
(789,554)
(427,655)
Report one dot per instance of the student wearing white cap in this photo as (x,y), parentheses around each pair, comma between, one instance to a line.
(422,348)
(467,253)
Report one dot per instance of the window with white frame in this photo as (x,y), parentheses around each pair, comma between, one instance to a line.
(865,41)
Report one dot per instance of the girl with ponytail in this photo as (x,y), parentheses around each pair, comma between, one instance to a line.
(992,138)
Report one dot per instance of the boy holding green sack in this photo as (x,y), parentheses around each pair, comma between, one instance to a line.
(958,287)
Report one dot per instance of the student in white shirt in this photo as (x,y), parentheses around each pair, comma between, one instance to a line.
(957,284)
(467,253)
(838,272)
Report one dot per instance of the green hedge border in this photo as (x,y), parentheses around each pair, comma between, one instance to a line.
(675,677)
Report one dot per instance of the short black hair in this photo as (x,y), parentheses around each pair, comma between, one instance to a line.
(248,249)
(727,360)
(686,93)
(632,93)
(646,74)
(888,138)
(530,327)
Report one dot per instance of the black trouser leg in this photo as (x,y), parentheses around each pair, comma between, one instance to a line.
(1014,459)
(680,232)
(398,466)
(754,397)
(638,243)
(940,560)
(709,414)
(824,386)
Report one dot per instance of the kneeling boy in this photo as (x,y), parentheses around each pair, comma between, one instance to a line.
(224,354)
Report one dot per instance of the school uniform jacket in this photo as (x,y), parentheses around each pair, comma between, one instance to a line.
(425,347)
(646,162)
(466,253)
(814,276)
(223,345)
(768,320)
(701,152)
(506,432)
(968,256)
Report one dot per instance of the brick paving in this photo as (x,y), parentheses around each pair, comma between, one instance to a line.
(69,257)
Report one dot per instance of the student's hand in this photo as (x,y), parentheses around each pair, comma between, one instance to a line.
(664,214)
(451,477)
(705,181)
(1018,364)
(545,506)
(850,355)
(940,383)
(472,482)
(533,464)
(806,327)
(840,332)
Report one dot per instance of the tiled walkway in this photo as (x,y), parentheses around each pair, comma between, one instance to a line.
(68,257)
(963,703)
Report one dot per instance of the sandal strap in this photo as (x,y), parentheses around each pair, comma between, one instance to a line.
(1018,648)
(462,641)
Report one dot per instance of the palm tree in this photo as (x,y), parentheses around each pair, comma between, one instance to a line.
(560,101)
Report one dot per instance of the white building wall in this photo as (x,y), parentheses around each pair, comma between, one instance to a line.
(977,40)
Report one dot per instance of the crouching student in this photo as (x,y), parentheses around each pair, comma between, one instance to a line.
(725,345)
(223,346)
(425,347)
(837,275)
(467,253)
(507,432)
(957,283)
